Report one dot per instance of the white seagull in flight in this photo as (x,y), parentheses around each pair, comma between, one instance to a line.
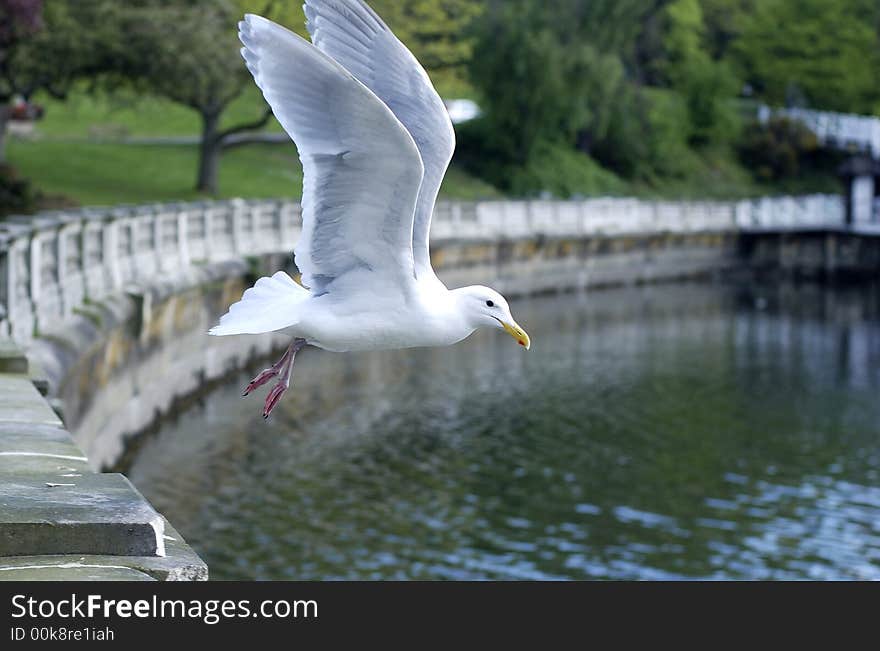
(375,141)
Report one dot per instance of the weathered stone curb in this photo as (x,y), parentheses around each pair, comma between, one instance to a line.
(59,520)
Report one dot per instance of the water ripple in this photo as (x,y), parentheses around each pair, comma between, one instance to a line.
(668,433)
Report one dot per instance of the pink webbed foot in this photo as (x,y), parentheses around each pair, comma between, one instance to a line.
(267,374)
(283,371)
(260,380)
(273,398)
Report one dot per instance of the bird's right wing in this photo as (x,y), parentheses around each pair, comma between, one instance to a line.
(352,33)
(362,170)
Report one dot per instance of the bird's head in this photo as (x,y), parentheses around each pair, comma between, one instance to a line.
(483,307)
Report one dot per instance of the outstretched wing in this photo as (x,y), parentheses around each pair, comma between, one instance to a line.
(352,33)
(362,170)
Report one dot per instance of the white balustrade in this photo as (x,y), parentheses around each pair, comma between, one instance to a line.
(839,130)
(52,263)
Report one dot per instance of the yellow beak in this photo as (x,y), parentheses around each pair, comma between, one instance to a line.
(517,333)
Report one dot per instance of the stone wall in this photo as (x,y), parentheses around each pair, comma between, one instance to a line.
(59,519)
(112,305)
(53,264)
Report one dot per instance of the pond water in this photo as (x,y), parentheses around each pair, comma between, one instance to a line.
(685,431)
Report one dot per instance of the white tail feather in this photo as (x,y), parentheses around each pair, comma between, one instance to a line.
(270,305)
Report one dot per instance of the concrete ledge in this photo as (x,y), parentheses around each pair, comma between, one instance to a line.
(92,514)
(26,449)
(59,520)
(20,402)
(180,563)
(12,359)
(71,571)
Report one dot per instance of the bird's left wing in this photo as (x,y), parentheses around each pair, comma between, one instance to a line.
(362,170)
(352,33)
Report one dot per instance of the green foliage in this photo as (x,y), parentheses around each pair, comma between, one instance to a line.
(777,150)
(648,141)
(724,21)
(533,87)
(75,39)
(823,52)
(709,88)
(683,41)
(185,52)
(543,90)
(563,173)
(579,97)
(707,85)
(438,33)
(668,125)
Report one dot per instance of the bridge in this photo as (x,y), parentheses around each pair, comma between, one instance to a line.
(855,134)
(842,131)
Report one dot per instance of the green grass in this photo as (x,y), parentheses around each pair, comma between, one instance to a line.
(126,114)
(89,173)
(99,174)
(78,155)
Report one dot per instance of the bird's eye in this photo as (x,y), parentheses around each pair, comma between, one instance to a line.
(490,303)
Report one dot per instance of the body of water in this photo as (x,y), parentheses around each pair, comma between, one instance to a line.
(687,431)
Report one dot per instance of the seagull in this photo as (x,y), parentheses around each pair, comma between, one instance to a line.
(375,140)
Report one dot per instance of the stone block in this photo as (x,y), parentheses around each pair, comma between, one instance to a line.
(67,571)
(12,358)
(20,402)
(39,451)
(180,563)
(92,514)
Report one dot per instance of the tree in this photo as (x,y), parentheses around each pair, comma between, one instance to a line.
(19,20)
(188,52)
(49,46)
(552,74)
(725,20)
(686,66)
(437,32)
(826,52)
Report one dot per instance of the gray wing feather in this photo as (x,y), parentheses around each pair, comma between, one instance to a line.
(362,170)
(352,33)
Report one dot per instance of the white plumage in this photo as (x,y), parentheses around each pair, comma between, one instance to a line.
(375,141)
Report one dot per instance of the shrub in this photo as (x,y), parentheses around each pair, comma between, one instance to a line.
(564,173)
(647,138)
(777,150)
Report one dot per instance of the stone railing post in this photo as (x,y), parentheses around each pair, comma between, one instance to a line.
(35,271)
(238,210)
(110,253)
(289,224)
(70,277)
(183,252)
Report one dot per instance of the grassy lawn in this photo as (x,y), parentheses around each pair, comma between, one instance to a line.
(126,114)
(78,155)
(89,173)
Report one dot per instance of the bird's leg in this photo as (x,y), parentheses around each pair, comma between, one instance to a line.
(269,373)
(284,376)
